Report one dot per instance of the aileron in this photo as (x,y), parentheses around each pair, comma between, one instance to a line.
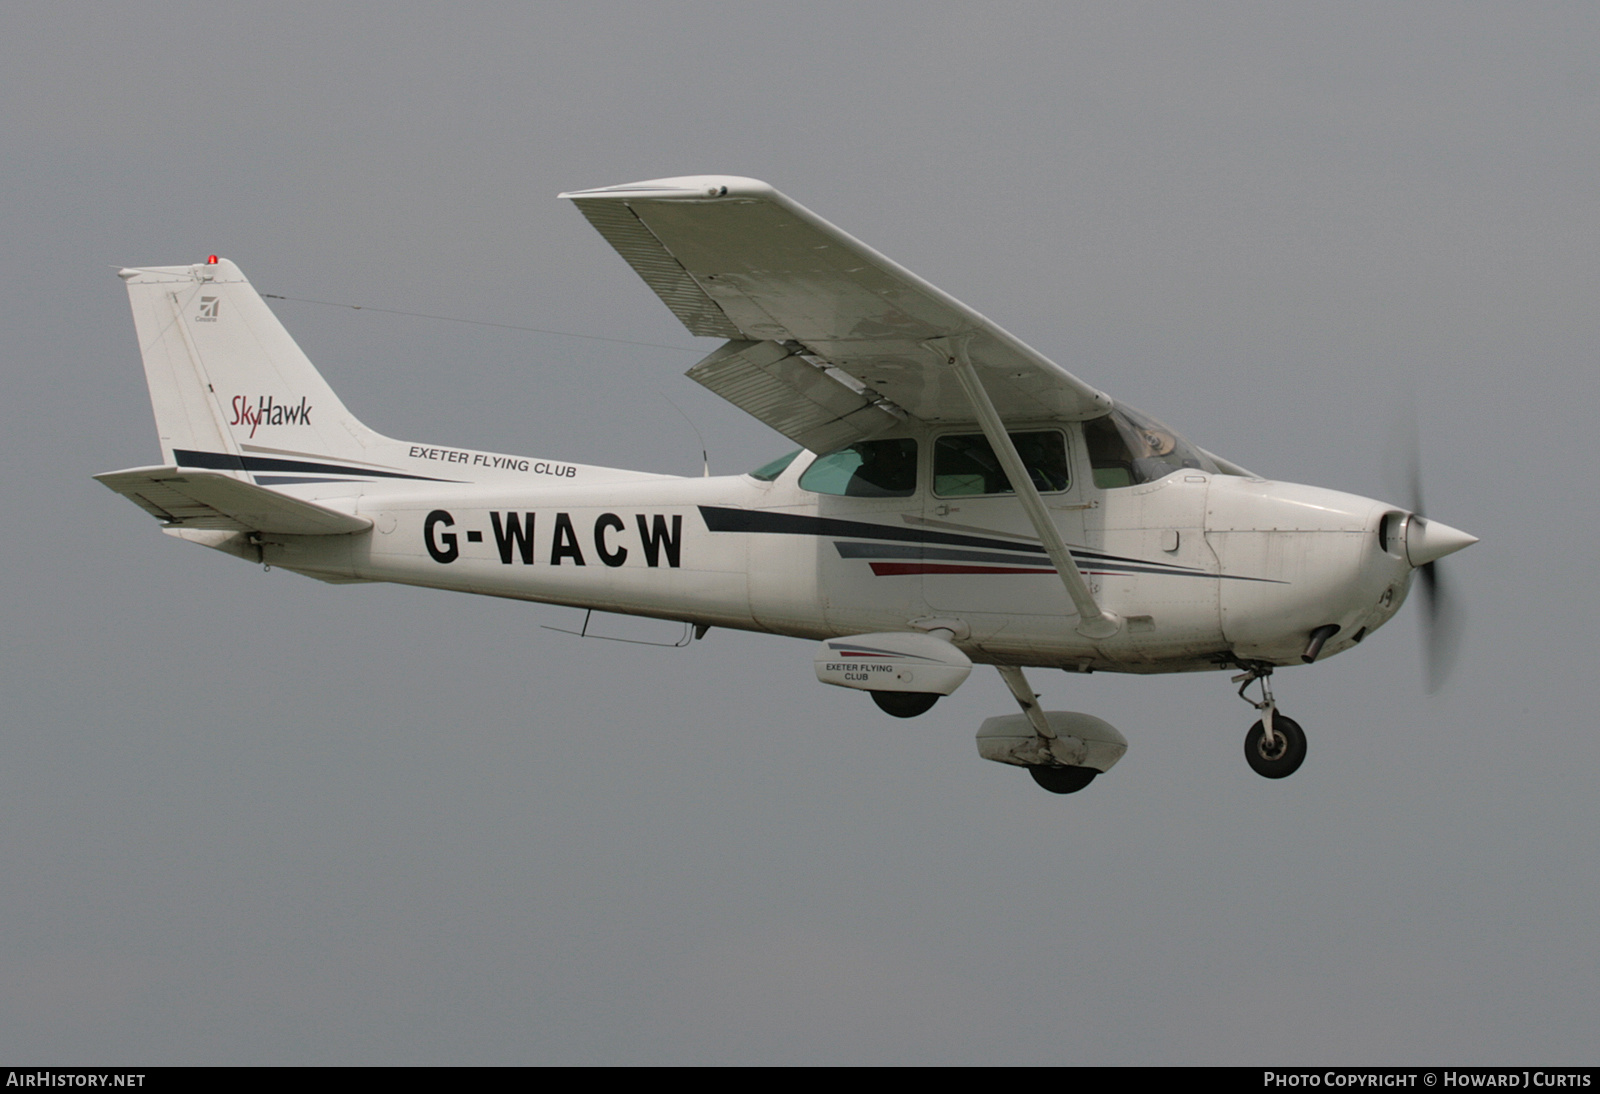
(660,270)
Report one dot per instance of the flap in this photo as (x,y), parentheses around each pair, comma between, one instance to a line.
(813,405)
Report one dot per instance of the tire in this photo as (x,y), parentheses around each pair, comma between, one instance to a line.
(1063,779)
(1276,762)
(904,704)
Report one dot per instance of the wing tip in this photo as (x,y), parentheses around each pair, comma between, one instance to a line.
(681,188)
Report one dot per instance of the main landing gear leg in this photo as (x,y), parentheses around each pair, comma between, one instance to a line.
(1275,747)
(1056,778)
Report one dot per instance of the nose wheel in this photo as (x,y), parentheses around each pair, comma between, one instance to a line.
(1277,756)
(1275,747)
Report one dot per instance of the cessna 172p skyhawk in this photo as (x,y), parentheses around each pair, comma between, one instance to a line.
(958,498)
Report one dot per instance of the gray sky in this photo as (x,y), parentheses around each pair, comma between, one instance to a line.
(249,818)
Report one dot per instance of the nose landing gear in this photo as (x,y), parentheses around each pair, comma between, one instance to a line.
(1275,747)
(1277,756)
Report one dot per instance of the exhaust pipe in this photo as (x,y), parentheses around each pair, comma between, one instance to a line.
(1318,637)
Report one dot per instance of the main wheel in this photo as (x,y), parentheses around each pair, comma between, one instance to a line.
(1280,757)
(904,704)
(1063,779)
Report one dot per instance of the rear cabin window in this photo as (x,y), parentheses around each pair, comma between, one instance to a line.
(965,465)
(866,469)
(767,472)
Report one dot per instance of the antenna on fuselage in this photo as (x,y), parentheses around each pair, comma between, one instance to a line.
(705,460)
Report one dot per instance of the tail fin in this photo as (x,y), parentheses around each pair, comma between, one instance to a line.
(226,380)
(233,394)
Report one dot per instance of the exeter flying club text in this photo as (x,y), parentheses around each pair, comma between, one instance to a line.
(653,539)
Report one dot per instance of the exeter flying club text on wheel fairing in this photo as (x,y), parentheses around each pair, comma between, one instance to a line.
(957,497)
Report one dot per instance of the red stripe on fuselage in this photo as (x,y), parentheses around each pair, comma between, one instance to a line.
(901,569)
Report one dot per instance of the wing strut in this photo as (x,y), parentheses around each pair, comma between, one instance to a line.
(1093,620)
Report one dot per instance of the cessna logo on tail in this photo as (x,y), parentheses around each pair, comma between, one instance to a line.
(659,541)
(267,412)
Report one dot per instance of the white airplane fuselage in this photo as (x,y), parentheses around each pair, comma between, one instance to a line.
(1205,569)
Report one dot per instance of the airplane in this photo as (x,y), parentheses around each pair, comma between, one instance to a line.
(956,497)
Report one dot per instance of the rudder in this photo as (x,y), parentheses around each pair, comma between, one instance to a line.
(225,377)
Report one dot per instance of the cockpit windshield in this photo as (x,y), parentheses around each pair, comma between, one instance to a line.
(1127,448)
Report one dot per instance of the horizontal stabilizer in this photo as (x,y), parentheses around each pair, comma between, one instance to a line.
(188,498)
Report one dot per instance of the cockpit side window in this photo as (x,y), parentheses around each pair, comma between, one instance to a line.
(767,472)
(964,465)
(1109,457)
(866,469)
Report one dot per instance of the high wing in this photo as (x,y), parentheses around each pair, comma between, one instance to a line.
(829,342)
